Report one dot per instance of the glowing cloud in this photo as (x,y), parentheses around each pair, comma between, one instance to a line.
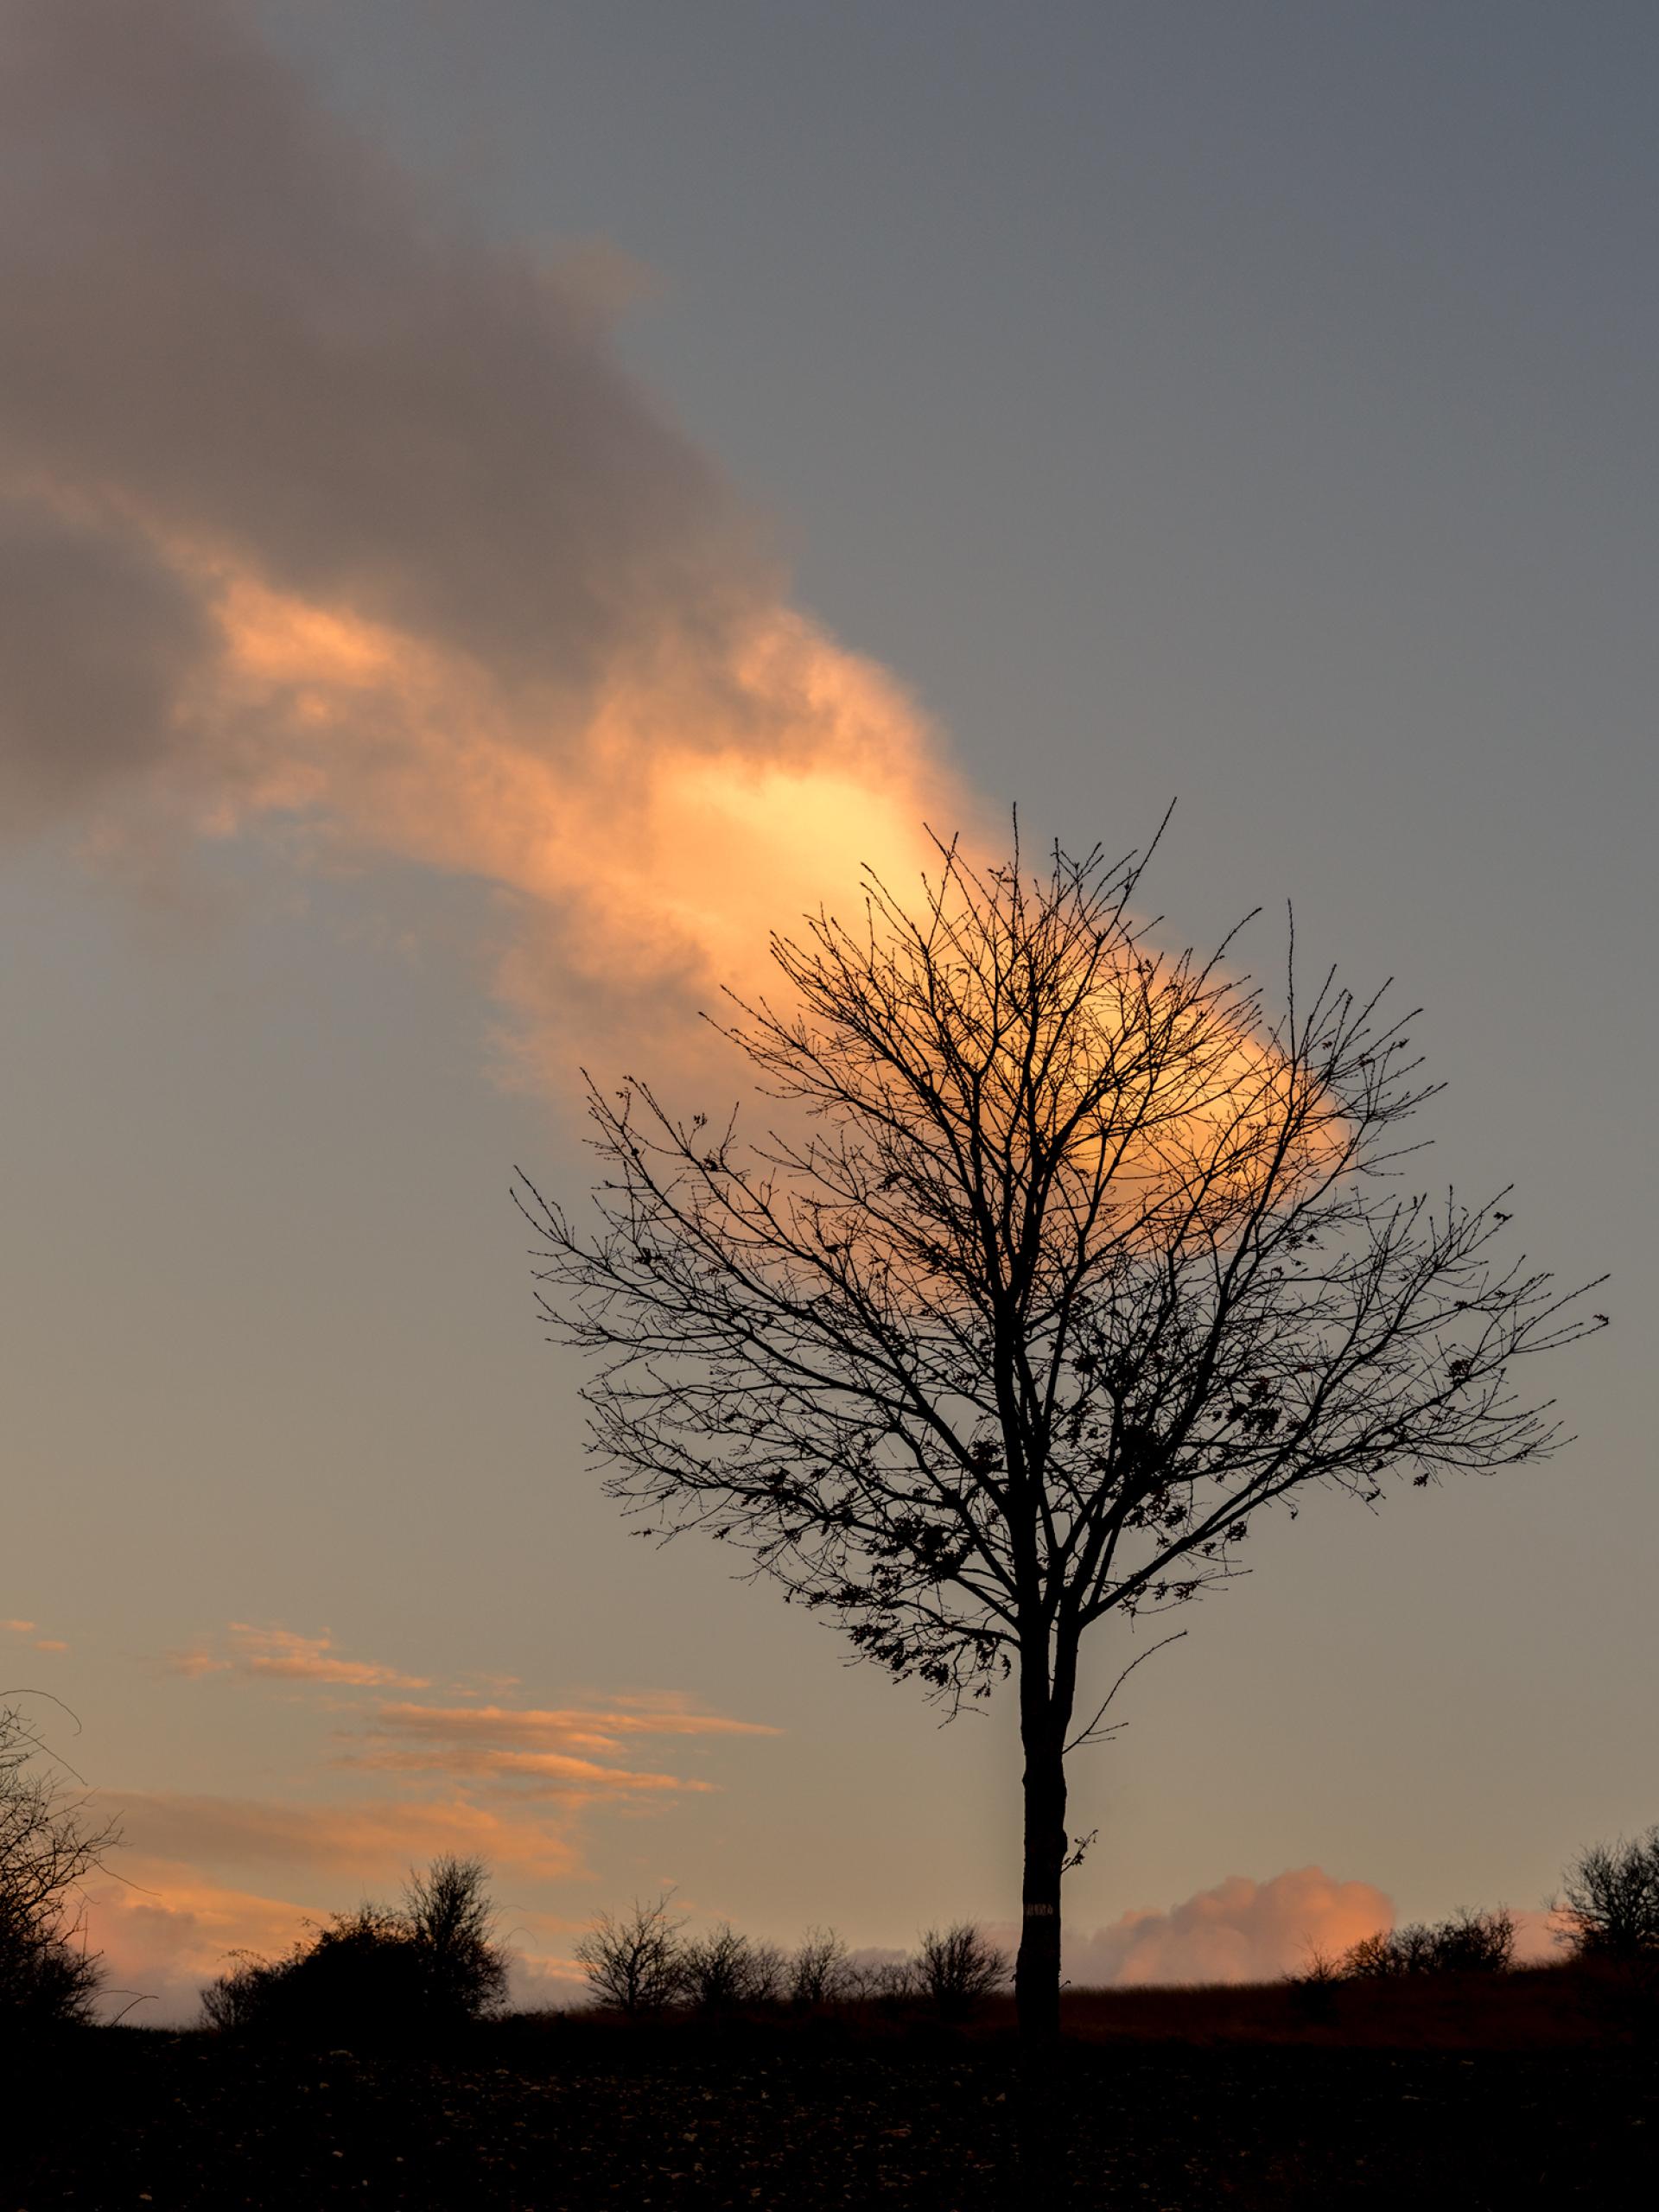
(325,511)
(540,1750)
(284,1655)
(368,1840)
(166,1929)
(577,1727)
(1241,1930)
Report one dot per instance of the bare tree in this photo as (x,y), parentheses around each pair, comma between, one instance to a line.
(723,1971)
(452,1921)
(48,1845)
(821,1972)
(1062,1261)
(957,1968)
(636,1963)
(1610,1905)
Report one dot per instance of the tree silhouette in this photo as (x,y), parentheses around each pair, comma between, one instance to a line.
(1061,1262)
(48,1847)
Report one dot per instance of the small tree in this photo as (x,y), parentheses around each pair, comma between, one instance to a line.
(48,1845)
(723,1971)
(1065,1262)
(452,1922)
(636,1962)
(957,1968)
(821,1972)
(1610,1905)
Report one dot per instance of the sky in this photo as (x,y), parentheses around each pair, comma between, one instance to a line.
(500,506)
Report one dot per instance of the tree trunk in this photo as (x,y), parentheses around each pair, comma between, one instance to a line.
(1037,1971)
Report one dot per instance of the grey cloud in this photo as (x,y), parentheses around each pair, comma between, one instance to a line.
(98,642)
(229,316)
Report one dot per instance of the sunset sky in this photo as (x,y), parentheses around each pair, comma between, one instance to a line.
(502,502)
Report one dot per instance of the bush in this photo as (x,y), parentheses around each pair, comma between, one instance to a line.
(887,1982)
(821,1972)
(48,1847)
(636,1964)
(1611,1901)
(1470,1943)
(957,1968)
(723,1971)
(380,1975)
(239,1997)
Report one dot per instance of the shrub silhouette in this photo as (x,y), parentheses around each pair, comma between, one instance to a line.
(1611,1901)
(237,1998)
(887,1982)
(957,1968)
(1470,1943)
(380,1975)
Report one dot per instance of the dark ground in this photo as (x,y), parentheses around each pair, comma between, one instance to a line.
(1274,2108)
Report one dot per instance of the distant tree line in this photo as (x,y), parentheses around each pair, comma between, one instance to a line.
(642,1962)
(1469,1942)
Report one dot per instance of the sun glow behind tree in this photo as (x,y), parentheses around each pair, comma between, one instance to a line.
(1059,1263)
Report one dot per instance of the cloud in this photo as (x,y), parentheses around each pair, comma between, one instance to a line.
(285,1656)
(36,1643)
(577,1726)
(558,1770)
(327,511)
(1241,1930)
(482,1682)
(371,1840)
(97,639)
(561,1749)
(166,1929)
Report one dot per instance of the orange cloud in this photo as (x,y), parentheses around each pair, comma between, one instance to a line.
(553,1770)
(1241,1930)
(286,1656)
(583,1728)
(370,1839)
(36,1643)
(168,1929)
(534,1745)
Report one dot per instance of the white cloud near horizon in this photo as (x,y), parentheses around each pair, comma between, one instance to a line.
(1239,1930)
